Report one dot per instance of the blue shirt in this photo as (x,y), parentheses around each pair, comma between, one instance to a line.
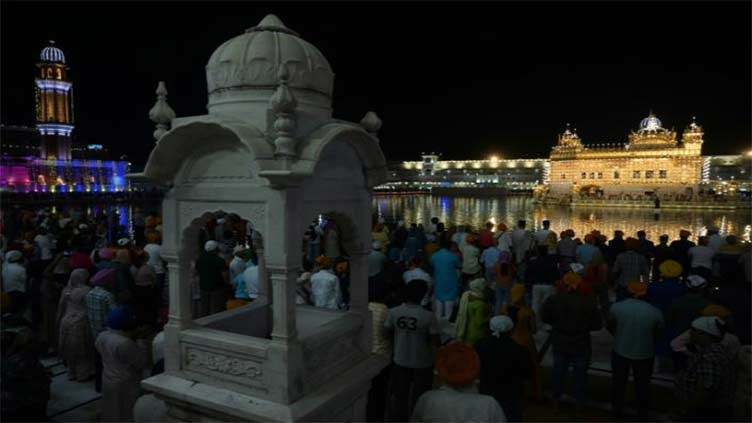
(638,323)
(445,265)
(585,253)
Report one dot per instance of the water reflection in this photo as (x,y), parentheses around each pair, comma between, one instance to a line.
(477,211)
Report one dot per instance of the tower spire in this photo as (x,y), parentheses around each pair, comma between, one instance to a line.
(161,113)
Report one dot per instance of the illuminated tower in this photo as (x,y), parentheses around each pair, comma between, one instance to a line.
(54,104)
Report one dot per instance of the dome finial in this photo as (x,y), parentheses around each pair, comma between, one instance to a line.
(371,123)
(271,23)
(283,103)
(161,114)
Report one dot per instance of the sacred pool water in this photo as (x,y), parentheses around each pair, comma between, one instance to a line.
(477,211)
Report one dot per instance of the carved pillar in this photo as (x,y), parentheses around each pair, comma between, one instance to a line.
(283,298)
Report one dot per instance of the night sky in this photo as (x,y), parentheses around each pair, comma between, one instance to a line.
(466,80)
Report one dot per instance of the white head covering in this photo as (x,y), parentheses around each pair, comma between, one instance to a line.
(708,324)
(123,242)
(577,267)
(376,245)
(211,245)
(13,256)
(500,324)
(696,281)
(238,248)
(82,226)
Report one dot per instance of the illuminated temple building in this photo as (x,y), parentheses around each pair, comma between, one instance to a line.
(45,158)
(653,161)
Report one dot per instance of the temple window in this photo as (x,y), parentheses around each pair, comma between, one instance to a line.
(662,174)
(600,175)
(563,176)
(636,174)
(616,175)
(648,174)
(584,175)
(592,175)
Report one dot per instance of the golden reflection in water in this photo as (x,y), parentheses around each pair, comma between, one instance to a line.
(478,211)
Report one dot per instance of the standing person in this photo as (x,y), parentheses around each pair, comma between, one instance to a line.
(470,260)
(541,274)
(681,246)
(647,247)
(662,294)
(566,249)
(25,381)
(445,266)
(75,343)
(154,249)
(542,234)
(380,233)
(377,269)
(524,320)
(14,278)
(684,310)
(123,365)
(325,288)
(715,240)
(489,258)
(473,314)
(629,266)
(661,253)
(457,400)
(636,326)
(99,302)
(706,386)
(212,274)
(522,241)
(616,246)
(572,317)
(503,238)
(505,276)
(701,259)
(417,273)
(415,330)
(504,367)
(146,299)
(486,236)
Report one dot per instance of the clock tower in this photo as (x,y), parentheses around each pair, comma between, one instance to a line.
(54,104)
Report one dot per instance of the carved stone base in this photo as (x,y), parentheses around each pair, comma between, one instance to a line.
(341,399)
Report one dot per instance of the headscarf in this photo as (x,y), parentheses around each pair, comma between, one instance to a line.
(104,277)
(638,289)
(517,294)
(670,269)
(121,318)
(458,364)
(500,324)
(152,237)
(80,261)
(709,324)
(13,256)
(210,246)
(341,267)
(123,256)
(376,245)
(501,227)
(577,268)
(684,233)
(78,279)
(476,291)
(696,281)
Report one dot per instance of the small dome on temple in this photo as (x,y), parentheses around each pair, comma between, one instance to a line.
(651,123)
(52,54)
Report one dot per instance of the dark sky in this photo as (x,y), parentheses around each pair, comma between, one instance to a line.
(463,79)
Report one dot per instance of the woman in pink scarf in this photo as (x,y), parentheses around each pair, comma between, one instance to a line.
(76,345)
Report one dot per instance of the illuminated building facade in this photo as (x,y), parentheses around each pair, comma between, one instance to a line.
(653,161)
(45,158)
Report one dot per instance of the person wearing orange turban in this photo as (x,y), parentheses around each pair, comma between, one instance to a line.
(458,366)
(635,324)
(325,288)
(629,266)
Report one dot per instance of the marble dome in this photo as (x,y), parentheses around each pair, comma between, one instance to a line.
(251,61)
(651,123)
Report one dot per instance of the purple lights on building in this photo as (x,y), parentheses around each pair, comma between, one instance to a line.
(30,174)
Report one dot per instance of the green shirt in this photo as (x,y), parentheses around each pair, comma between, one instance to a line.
(210,267)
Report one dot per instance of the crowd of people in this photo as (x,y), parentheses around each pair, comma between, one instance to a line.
(468,303)
(464,303)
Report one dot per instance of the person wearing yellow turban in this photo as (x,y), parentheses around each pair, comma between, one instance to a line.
(524,328)
(458,366)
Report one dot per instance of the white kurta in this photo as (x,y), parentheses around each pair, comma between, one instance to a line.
(122,367)
(447,404)
(325,289)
